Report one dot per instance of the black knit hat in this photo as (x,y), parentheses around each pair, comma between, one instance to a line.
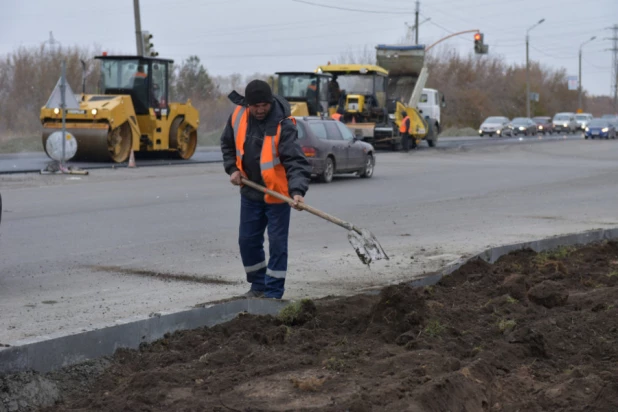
(258,91)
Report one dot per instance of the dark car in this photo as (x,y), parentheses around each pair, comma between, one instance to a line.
(600,128)
(523,125)
(331,148)
(544,124)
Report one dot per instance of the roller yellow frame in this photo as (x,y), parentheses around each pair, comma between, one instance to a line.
(132,111)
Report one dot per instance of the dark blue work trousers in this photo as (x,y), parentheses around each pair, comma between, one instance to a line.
(255,217)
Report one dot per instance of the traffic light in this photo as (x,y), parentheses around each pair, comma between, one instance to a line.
(478,43)
(479,46)
(148,47)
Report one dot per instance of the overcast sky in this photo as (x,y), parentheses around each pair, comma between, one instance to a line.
(249,36)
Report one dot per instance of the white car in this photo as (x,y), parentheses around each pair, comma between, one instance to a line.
(495,125)
(583,119)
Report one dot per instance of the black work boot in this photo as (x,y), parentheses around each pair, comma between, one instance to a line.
(253,294)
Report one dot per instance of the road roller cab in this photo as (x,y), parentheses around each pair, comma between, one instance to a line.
(132,111)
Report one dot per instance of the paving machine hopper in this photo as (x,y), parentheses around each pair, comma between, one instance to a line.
(407,75)
(132,112)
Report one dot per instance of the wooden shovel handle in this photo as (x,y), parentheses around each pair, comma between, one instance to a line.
(301,205)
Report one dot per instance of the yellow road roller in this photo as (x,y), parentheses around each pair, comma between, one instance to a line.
(132,111)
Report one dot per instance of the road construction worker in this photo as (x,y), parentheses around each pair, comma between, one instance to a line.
(140,72)
(404,130)
(312,98)
(334,92)
(338,115)
(260,143)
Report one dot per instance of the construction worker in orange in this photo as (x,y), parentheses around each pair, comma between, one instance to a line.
(404,130)
(338,115)
(260,143)
(140,72)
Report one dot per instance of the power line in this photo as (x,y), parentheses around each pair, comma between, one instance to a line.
(354,10)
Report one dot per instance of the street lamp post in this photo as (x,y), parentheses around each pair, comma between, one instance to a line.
(528,68)
(579,94)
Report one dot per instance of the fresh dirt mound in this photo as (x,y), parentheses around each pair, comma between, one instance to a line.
(533,332)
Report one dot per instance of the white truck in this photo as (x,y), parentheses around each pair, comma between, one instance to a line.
(430,104)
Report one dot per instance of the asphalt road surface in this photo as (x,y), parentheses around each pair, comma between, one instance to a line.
(36,161)
(80,252)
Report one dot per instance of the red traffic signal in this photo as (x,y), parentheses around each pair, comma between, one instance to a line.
(479,44)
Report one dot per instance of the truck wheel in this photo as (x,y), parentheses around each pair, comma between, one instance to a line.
(431,135)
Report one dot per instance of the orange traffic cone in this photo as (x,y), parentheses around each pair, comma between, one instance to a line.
(132,159)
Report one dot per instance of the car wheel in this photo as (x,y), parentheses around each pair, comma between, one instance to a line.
(329,171)
(586,137)
(367,171)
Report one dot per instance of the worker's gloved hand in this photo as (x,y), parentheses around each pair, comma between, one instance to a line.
(298,199)
(235,178)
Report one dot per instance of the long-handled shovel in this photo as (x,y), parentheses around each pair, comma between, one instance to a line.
(363,241)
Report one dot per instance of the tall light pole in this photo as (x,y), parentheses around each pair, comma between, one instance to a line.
(579,97)
(528,69)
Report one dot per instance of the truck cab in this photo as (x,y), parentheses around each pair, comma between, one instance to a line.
(430,105)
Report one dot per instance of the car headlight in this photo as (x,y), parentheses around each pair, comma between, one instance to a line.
(540,127)
(605,130)
(565,124)
(480,130)
(498,131)
(587,129)
(522,128)
(56,111)
(94,112)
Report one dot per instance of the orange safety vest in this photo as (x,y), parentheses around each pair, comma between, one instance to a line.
(273,172)
(402,127)
(337,116)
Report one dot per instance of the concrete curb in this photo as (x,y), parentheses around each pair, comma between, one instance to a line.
(48,353)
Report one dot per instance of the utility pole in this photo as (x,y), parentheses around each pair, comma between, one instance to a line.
(418,7)
(614,50)
(579,94)
(138,28)
(528,68)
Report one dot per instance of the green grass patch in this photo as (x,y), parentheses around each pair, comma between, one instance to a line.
(297,312)
(612,274)
(506,325)
(511,299)
(434,328)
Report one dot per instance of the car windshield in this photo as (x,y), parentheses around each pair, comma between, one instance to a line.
(541,119)
(356,83)
(520,120)
(561,116)
(581,117)
(598,123)
(495,119)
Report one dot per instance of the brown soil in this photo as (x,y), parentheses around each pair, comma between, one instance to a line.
(533,332)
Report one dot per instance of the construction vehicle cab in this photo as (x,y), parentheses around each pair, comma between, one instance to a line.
(308,93)
(131,112)
(144,79)
(363,101)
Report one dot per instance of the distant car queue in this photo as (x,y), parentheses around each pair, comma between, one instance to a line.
(566,122)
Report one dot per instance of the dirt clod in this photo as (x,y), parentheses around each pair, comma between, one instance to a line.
(549,294)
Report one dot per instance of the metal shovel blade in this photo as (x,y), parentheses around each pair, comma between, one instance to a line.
(366,246)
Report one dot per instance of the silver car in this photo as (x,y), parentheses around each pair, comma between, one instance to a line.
(495,125)
(583,119)
(565,122)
